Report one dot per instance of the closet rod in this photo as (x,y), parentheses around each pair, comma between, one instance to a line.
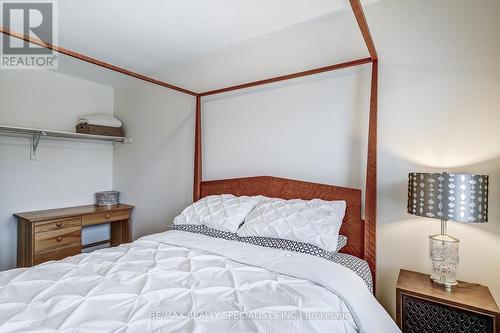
(35,134)
(60,134)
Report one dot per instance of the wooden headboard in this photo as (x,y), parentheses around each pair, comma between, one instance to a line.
(352,226)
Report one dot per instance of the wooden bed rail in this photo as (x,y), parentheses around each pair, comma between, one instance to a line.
(314,71)
(357,9)
(94,61)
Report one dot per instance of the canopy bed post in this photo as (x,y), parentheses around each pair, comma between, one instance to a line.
(371,162)
(197,151)
(371,176)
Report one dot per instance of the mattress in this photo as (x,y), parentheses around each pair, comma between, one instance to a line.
(178,281)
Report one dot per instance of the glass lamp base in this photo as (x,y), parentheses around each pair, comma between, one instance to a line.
(443,252)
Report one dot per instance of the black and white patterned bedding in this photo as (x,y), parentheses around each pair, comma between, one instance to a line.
(359,266)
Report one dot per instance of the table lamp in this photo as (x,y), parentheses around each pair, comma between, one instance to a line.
(447,197)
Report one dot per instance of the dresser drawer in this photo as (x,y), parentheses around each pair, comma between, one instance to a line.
(57,238)
(55,225)
(105,217)
(58,253)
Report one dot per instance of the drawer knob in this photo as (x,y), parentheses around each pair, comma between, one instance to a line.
(59,239)
(107,216)
(59,224)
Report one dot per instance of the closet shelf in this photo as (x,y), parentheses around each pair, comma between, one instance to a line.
(36,134)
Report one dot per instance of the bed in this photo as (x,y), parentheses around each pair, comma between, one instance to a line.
(192,280)
(199,280)
(183,282)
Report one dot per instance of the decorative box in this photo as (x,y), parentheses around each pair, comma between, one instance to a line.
(107,198)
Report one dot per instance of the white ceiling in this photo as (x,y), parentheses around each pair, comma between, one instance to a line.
(150,36)
(154,37)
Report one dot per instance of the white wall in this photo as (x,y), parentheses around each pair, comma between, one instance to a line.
(439,110)
(67,172)
(155,172)
(307,130)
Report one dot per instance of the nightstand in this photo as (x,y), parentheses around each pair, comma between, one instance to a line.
(425,308)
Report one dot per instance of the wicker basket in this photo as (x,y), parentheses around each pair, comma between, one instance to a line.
(99,130)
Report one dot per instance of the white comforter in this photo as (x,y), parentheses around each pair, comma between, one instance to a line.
(184,282)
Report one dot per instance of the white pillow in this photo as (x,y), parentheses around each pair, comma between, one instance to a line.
(224,212)
(315,221)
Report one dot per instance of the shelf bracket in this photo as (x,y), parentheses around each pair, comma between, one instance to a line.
(35,140)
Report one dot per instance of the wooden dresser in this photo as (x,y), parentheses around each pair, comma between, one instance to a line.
(422,307)
(57,233)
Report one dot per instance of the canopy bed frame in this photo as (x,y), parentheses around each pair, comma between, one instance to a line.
(361,232)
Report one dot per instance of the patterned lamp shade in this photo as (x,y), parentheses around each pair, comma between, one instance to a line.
(448,196)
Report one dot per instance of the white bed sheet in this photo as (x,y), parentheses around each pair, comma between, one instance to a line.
(184,282)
